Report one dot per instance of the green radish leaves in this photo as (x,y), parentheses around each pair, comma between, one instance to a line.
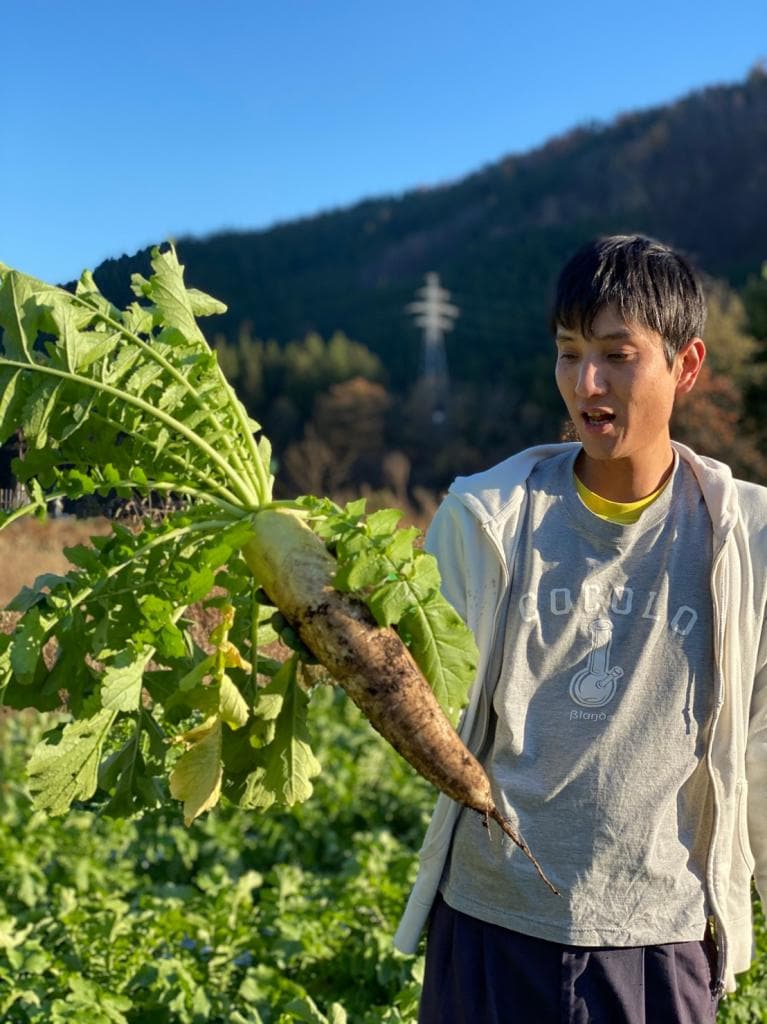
(399,582)
(139,391)
(66,771)
(288,764)
(144,697)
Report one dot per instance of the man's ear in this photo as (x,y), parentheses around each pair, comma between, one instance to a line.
(690,360)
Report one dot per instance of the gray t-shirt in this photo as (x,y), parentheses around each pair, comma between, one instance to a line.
(600,721)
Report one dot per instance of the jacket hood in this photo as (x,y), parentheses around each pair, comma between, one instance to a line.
(493,492)
(489,493)
(717,485)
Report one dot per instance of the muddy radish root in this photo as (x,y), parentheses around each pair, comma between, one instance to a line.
(370,662)
(515,837)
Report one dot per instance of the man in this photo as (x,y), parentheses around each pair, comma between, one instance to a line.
(617,589)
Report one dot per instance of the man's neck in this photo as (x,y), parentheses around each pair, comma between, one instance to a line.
(620,479)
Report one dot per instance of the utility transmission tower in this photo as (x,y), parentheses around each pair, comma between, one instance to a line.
(435,314)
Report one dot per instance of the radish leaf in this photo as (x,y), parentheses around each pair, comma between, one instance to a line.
(66,771)
(196,777)
(287,764)
(400,585)
(132,403)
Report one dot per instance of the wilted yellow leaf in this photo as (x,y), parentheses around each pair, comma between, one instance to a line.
(196,777)
(231,704)
(233,658)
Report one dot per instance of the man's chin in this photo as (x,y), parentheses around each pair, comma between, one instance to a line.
(600,451)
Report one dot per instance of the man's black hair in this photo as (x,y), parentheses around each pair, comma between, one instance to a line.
(647,281)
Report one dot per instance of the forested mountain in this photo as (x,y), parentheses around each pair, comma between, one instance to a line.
(693,172)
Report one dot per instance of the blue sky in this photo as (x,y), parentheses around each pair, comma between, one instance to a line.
(125,124)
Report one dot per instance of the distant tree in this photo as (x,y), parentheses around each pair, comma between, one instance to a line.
(279,384)
(755,302)
(708,420)
(344,443)
(313,365)
(731,346)
(714,418)
(244,364)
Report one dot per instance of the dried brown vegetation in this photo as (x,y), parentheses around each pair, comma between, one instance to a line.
(29,548)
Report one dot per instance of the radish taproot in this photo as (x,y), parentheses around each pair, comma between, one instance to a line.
(131,402)
(369,661)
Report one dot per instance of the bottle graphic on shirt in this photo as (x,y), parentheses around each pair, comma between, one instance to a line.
(595,685)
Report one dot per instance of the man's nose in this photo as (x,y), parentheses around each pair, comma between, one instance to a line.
(590,379)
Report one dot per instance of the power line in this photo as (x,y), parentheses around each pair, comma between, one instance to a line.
(435,314)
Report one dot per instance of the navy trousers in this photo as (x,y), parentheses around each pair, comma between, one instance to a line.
(478,973)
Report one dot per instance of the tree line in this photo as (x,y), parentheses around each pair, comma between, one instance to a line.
(339,425)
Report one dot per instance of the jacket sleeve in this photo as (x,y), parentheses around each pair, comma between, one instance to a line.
(445,540)
(756,772)
(753,505)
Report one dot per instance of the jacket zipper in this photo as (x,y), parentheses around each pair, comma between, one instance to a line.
(719,695)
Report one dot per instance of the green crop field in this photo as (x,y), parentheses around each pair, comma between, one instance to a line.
(241,918)
(271,918)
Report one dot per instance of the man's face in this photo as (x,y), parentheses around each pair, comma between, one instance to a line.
(619,390)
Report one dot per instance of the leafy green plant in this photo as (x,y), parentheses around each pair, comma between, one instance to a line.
(268,919)
(749,1004)
(238,917)
(133,401)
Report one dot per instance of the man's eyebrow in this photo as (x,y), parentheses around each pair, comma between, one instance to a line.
(620,334)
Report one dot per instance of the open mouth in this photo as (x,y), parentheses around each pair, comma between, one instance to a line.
(597,419)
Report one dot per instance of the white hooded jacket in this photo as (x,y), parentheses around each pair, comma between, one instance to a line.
(474,536)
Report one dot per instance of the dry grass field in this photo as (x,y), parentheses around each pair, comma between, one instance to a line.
(29,548)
